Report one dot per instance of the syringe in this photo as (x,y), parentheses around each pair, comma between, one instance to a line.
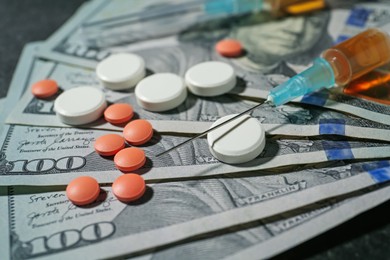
(172,17)
(337,66)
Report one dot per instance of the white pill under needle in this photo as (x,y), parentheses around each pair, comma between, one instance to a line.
(210,78)
(80,105)
(121,71)
(268,101)
(238,141)
(161,92)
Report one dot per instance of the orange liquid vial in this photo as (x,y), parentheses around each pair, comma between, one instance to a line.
(373,86)
(339,66)
(358,55)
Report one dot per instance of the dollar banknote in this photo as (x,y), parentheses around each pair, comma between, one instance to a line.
(203,215)
(195,115)
(287,231)
(44,224)
(30,155)
(300,230)
(273,53)
(27,62)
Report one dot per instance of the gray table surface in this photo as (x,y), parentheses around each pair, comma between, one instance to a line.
(21,21)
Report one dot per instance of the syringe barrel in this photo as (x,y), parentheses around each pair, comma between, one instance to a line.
(314,78)
(358,55)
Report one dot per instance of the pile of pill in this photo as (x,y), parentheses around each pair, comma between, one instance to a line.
(83,105)
(128,187)
(238,141)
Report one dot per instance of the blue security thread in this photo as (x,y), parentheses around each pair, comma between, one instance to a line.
(316,98)
(336,150)
(332,127)
(358,17)
(379,171)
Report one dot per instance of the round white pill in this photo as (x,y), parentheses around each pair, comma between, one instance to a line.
(210,78)
(161,92)
(81,105)
(121,71)
(238,141)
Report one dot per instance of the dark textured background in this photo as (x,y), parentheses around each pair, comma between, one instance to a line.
(22,21)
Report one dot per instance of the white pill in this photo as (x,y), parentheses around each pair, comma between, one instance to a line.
(210,78)
(238,141)
(81,105)
(121,71)
(161,92)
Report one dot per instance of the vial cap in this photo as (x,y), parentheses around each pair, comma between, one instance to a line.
(83,190)
(118,113)
(229,48)
(130,159)
(161,92)
(44,88)
(138,132)
(80,105)
(129,187)
(110,144)
(210,78)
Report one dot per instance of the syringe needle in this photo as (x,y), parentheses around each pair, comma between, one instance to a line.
(211,129)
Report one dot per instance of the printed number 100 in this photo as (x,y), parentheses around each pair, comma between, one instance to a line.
(41,165)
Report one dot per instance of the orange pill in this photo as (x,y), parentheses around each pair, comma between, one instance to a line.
(229,48)
(83,190)
(44,88)
(110,144)
(138,132)
(130,159)
(118,113)
(129,187)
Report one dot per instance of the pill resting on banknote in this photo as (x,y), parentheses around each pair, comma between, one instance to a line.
(118,113)
(138,132)
(238,141)
(110,144)
(129,187)
(44,88)
(161,92)
(210,78)
(229,48)
(121,71)
(80,105)
(83,190)
(130,159)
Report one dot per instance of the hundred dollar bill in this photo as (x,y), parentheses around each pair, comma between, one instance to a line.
(51,156)
(266,238)
(44,224)
(196,114)
(273,53)
(27,65)
(300,228)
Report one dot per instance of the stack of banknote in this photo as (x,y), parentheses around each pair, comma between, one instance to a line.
(326,158)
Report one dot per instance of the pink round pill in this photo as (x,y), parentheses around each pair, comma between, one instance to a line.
(129,187)
(138,132)
(229,48)
(83,190)
(118,113)
(130,159)
(110,144)
(44,88)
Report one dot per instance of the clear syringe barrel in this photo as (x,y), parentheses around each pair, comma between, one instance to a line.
(337,66)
